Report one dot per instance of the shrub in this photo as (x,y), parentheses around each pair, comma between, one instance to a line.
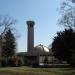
(15,61)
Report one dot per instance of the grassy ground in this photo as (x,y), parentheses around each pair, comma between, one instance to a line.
(36,71)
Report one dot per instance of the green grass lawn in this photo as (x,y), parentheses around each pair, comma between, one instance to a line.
(36,71)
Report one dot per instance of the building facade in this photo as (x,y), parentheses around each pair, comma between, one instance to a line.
(39,54)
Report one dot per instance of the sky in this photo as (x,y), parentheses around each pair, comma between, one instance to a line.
(43,12)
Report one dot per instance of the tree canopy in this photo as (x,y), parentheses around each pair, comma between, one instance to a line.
(63,45)
(9,44)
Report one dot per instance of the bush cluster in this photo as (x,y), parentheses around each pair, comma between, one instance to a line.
(11,61)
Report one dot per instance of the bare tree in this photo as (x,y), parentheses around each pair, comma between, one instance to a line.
(67,18)
(6,23)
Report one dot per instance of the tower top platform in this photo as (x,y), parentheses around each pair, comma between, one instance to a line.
(31,23)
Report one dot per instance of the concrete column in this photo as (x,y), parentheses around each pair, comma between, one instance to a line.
(30,41)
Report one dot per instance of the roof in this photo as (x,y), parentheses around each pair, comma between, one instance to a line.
(41,50)
(38,50)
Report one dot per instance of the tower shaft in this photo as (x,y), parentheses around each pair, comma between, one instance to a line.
(30,41)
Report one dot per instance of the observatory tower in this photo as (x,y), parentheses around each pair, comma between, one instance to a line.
(30,38)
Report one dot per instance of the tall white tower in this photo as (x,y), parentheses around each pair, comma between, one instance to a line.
(30,40)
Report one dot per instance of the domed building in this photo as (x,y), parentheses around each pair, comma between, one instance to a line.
(43,53)
(41,49)
(39,54)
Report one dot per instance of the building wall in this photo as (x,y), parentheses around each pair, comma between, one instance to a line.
(42,59)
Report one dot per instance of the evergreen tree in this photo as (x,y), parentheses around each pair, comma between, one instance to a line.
(9,45)
(64,46)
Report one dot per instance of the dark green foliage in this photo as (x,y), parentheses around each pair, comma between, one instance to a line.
(12,61)
(25,61)
(20,61)
(4,62)
(9,44)
(15,61)
(64,45)
(46,60)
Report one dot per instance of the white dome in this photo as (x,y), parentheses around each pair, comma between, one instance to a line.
(41,49)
